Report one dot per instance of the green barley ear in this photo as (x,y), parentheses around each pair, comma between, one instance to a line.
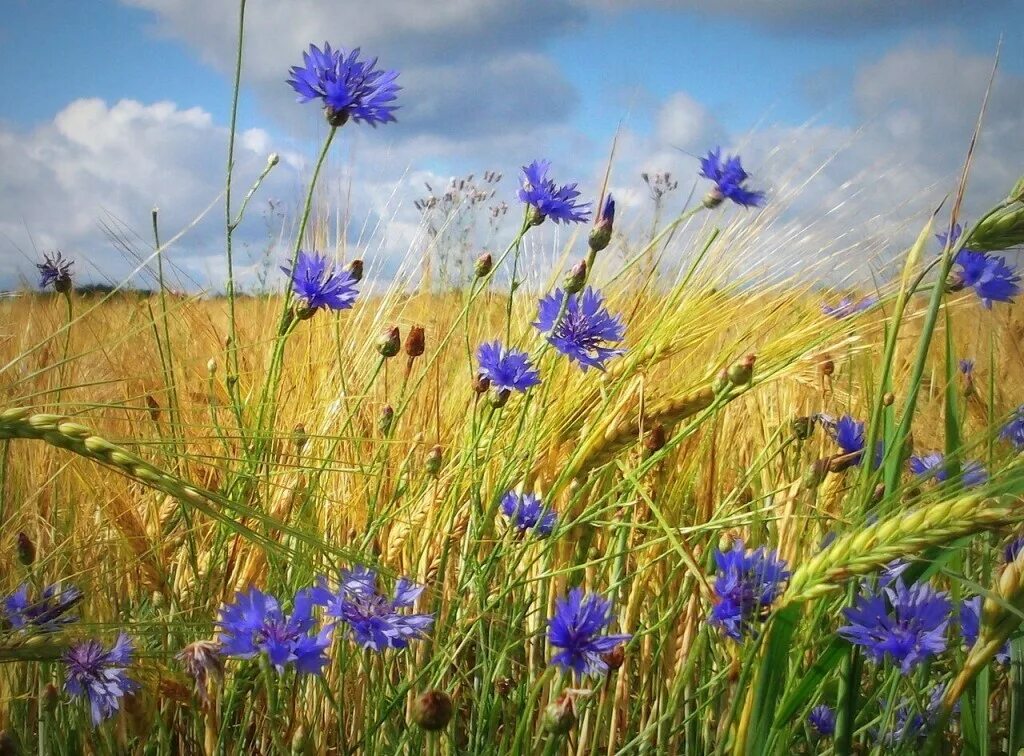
(1004,227)
(902,535)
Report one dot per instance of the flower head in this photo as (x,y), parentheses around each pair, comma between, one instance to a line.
(966,367)
(910,726)
(970,626)
(1013,431)
(55,272)
(506,369)
(317,283)
(576,628)
(349,88)
(100,675)
(822,720)
(934,465)
(907,624)
(585,328)
(374,619)
(46,614)
(847,307)
(527,512)
(548,199)
(601,234)
(729,177)
(992,279)
(1012,550)
(848,433)
(746,583)
(254,624)
(201,660)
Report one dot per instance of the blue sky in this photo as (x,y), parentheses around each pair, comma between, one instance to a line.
(488,84)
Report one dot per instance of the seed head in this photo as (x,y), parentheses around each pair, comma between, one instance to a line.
(432,710)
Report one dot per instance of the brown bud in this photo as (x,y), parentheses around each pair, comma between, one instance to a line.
(481,383)
(434,459)
(386,419)
(483,265)
(741,373)
(559,715)
(432,710)
(802,427)
(50,698)
(888,399)
(655,440)
(826,366)
(154,407)
(299,437)
(504,686)
(615,658)
(26,550)
(389,342)
(355,269)
(415,342)
(499,399)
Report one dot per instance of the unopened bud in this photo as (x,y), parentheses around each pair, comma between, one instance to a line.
(601,234)
(999,230)
(888,398)
(50,698)
(721,382)
(481,383)
(433,462)
(615,658)
(741,373)
(500,398)
(815,474)
(26,550)
(655,440)
(211,366)
(713,199)
(273,159)
(154,407)
(390,342)
(577,278)
(355,269)
(802,427)
(826,366)
(536,217)
(432,710)
(386,419)
(483,265)
(299,437)
(559,715)
(415,342)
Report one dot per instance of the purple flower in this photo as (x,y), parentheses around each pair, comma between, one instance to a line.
(46,614)
(349,88)
(254,624)
(849,435)
(990,276)
(584,329)
(729,177)
(373,618)
(55,272)
(934,465)
(822,721)
(608,212)
(967,367)
(1012,550)
(906,624)
(909,726)
(847,307)
(970,626)
(548,200)
(576,628)
(1013,431)
(506,369)
(951,238)
(100,675)
(527,512)
(317,283)
(746,583)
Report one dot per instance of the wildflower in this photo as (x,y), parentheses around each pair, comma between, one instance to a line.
(100,675)
(584,328)
(966,368)
(847,307)
(373,618)
(910,727)
(527,512)
(47,614)
(849,435)
(55,271)
(822,721)
(907,624)
(601,234)
(483,265)
(202,662)
(1012,550)
(1013,431)
(506,369)
(576,628)
(933,465)
(746,583)
(548,200)
(970,627)
(992,279)
(432,710)
(254,624)
(318,284)
(389,342)
(349,88)
(729,177)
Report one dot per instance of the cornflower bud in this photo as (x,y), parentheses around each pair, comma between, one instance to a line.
(721,382)
(211,367)
(655,440)
(415,342)
(577,278)
(390,342)
(741,373)
(50,698)
(559,715)
(827,366)
(601,234)
(386,419)
(355,269)
(26,550)
(483,265)
(299,437)
(154,407)
(500,398)
(434,459)
(432,710)
(481,383)
(615,658)
(802,427)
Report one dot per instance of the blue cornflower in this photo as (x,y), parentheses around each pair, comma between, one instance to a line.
(907,624)
(910,726)
(317,283)
(729,177)
(601,234)
(992,279)
(745,584)
(55,272)
(100,675)
(1012,550)
(951,238)
(1013,431)
(548,200)
(373,618)
(970,626)
(584,329)
(506,369)
(46,614)
(967,367)
(822,720)
(576,628)
(934,465)
(254,624)
(849,435)
(847,307)
(527,512)
(349,88)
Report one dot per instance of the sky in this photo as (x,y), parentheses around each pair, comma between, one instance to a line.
(855,117)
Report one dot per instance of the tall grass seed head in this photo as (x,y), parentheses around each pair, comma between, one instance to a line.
(547,199)
(1002,229)
(729,179)
(847,307)
(576,629)
(347,87)
(100,675)
(585,331)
